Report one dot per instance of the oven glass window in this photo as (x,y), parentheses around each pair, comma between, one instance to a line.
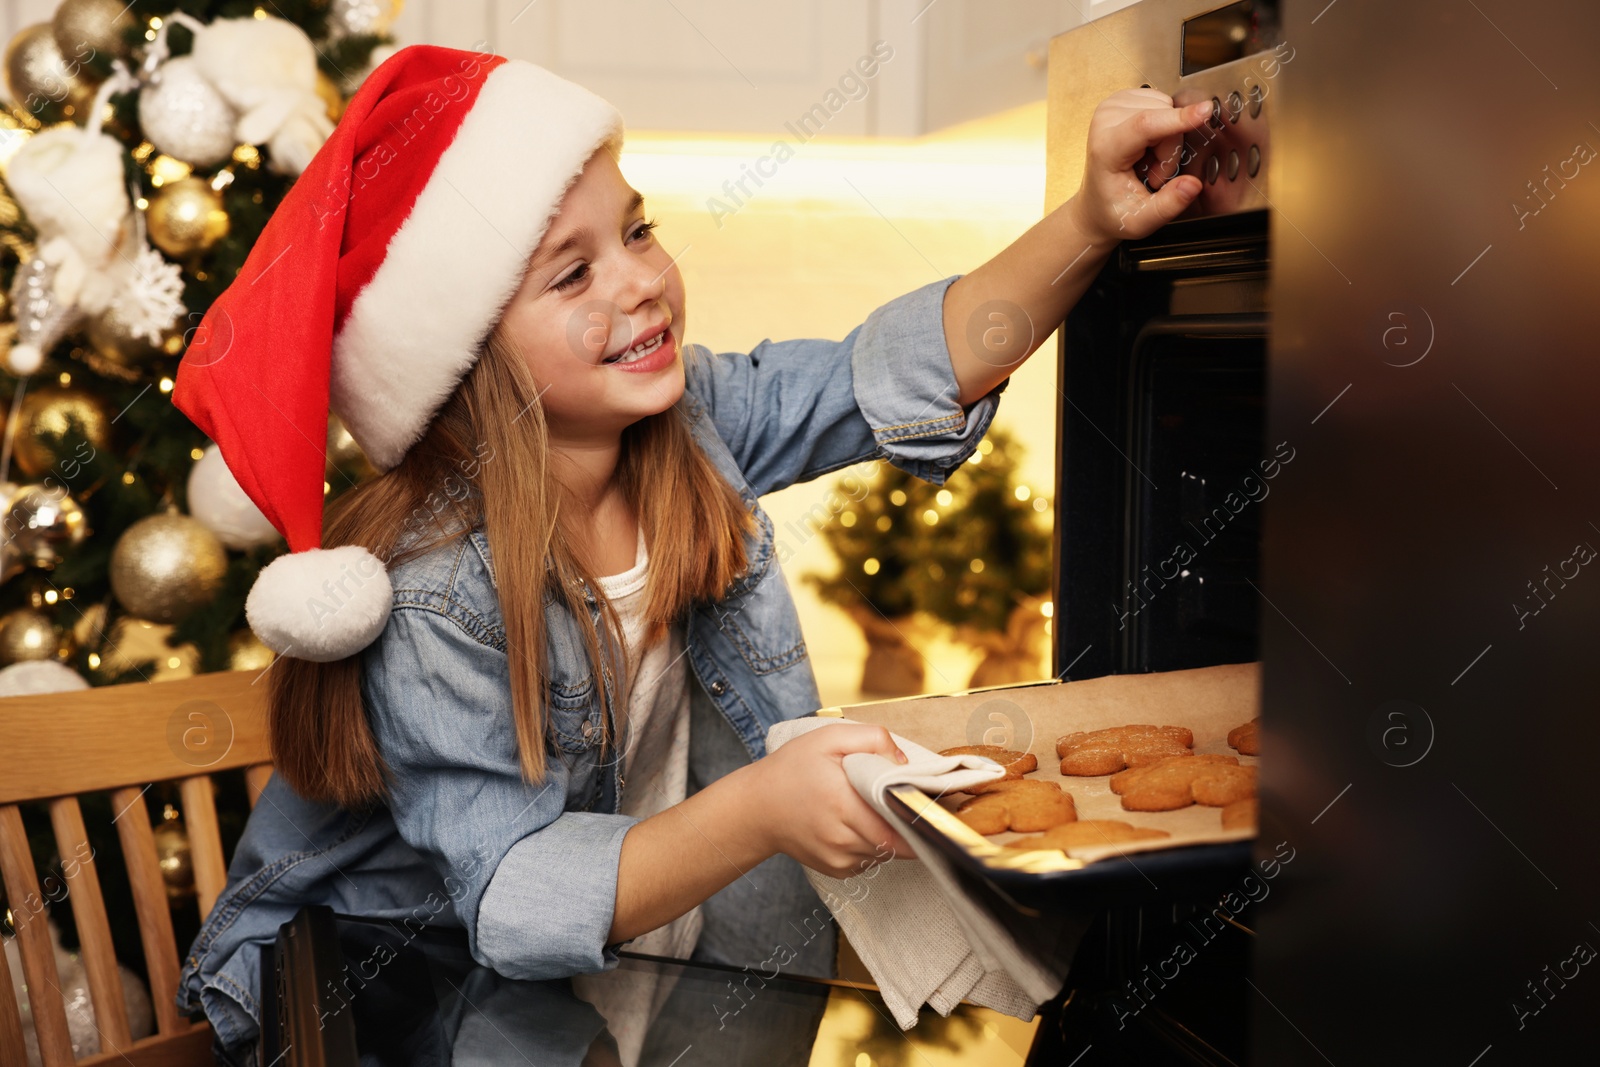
(1195,539)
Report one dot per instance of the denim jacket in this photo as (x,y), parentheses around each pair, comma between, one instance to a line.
(529,871)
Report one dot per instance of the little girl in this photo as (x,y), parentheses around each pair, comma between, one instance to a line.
(525,688)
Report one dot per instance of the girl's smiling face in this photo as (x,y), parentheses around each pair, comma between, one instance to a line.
(598,285)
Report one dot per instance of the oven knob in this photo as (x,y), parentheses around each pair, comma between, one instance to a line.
(1256,96)
(1233,164)
(1255,160)
(1216,114)
(1212,167)
(1235,106)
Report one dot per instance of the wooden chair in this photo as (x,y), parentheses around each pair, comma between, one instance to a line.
(119,738)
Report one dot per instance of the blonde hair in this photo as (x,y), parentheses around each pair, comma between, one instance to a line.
(491,435)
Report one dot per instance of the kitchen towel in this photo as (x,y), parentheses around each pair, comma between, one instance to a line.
(918,933)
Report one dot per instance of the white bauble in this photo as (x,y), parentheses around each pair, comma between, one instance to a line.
(219,504)
(185,116)
(39,676)
(74,991)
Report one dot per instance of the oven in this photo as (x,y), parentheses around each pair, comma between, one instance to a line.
(1163,468)
(1374,331)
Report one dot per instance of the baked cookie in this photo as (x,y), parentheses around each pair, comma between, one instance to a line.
(1241,814)
(1246,739)
(1016,763)
(1110,750)
(1087,833)
(1026,804)
(1178,781)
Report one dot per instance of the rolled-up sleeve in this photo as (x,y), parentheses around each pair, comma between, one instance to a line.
(793,410)
(533,884)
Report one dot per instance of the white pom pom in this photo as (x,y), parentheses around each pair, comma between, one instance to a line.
(221,506)
(39,676)
(321,604)
(25,359)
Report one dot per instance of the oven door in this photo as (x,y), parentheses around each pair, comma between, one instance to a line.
(1195,485)
(1162,463)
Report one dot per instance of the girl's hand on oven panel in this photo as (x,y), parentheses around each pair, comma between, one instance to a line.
(996,316)
(1131,185)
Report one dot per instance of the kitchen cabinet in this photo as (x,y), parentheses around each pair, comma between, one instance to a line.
(720,65)
(726,65)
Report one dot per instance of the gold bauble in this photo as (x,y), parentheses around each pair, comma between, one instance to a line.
(165,566)
(247,653)
(49,410)
(110,334)
(29,634)
(328,89)
(186,216)
(173,855)
(343,452)
(38,74)
(42,521)
(81,25)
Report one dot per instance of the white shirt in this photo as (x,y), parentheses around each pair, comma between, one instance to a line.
(654,730)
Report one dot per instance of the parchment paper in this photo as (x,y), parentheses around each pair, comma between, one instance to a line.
(1210,701)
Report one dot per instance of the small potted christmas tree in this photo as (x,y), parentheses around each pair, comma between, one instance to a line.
(974,554)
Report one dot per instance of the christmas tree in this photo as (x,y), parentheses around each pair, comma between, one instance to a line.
(143,147)
(974,554)
(143,151)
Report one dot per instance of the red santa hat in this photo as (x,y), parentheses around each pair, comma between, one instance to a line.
(371,291)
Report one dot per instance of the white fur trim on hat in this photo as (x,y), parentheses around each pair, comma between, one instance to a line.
(415,328)
(321,604)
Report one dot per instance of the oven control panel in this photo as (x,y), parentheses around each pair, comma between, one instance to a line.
(1231,55)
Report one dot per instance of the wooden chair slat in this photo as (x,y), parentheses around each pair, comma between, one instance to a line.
(33,940)
(94,932)
(150,902)
(124,735)
(188,1049)
(255,780)
(205,841)
(12,1047)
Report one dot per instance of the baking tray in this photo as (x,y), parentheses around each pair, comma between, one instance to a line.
(1199,859)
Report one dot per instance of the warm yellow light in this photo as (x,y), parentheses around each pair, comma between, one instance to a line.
(930,517)
(1047,609)
(884,522)
(975,458)
(49,596)
(196,453)
(166,385)
(847,519)
(65,378)
(898,498)
(1023,492)
(977,566)
(947,175)
(870,566)
(1041,504)
(944,498)
(985,447)
(127,477)
(94,660)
